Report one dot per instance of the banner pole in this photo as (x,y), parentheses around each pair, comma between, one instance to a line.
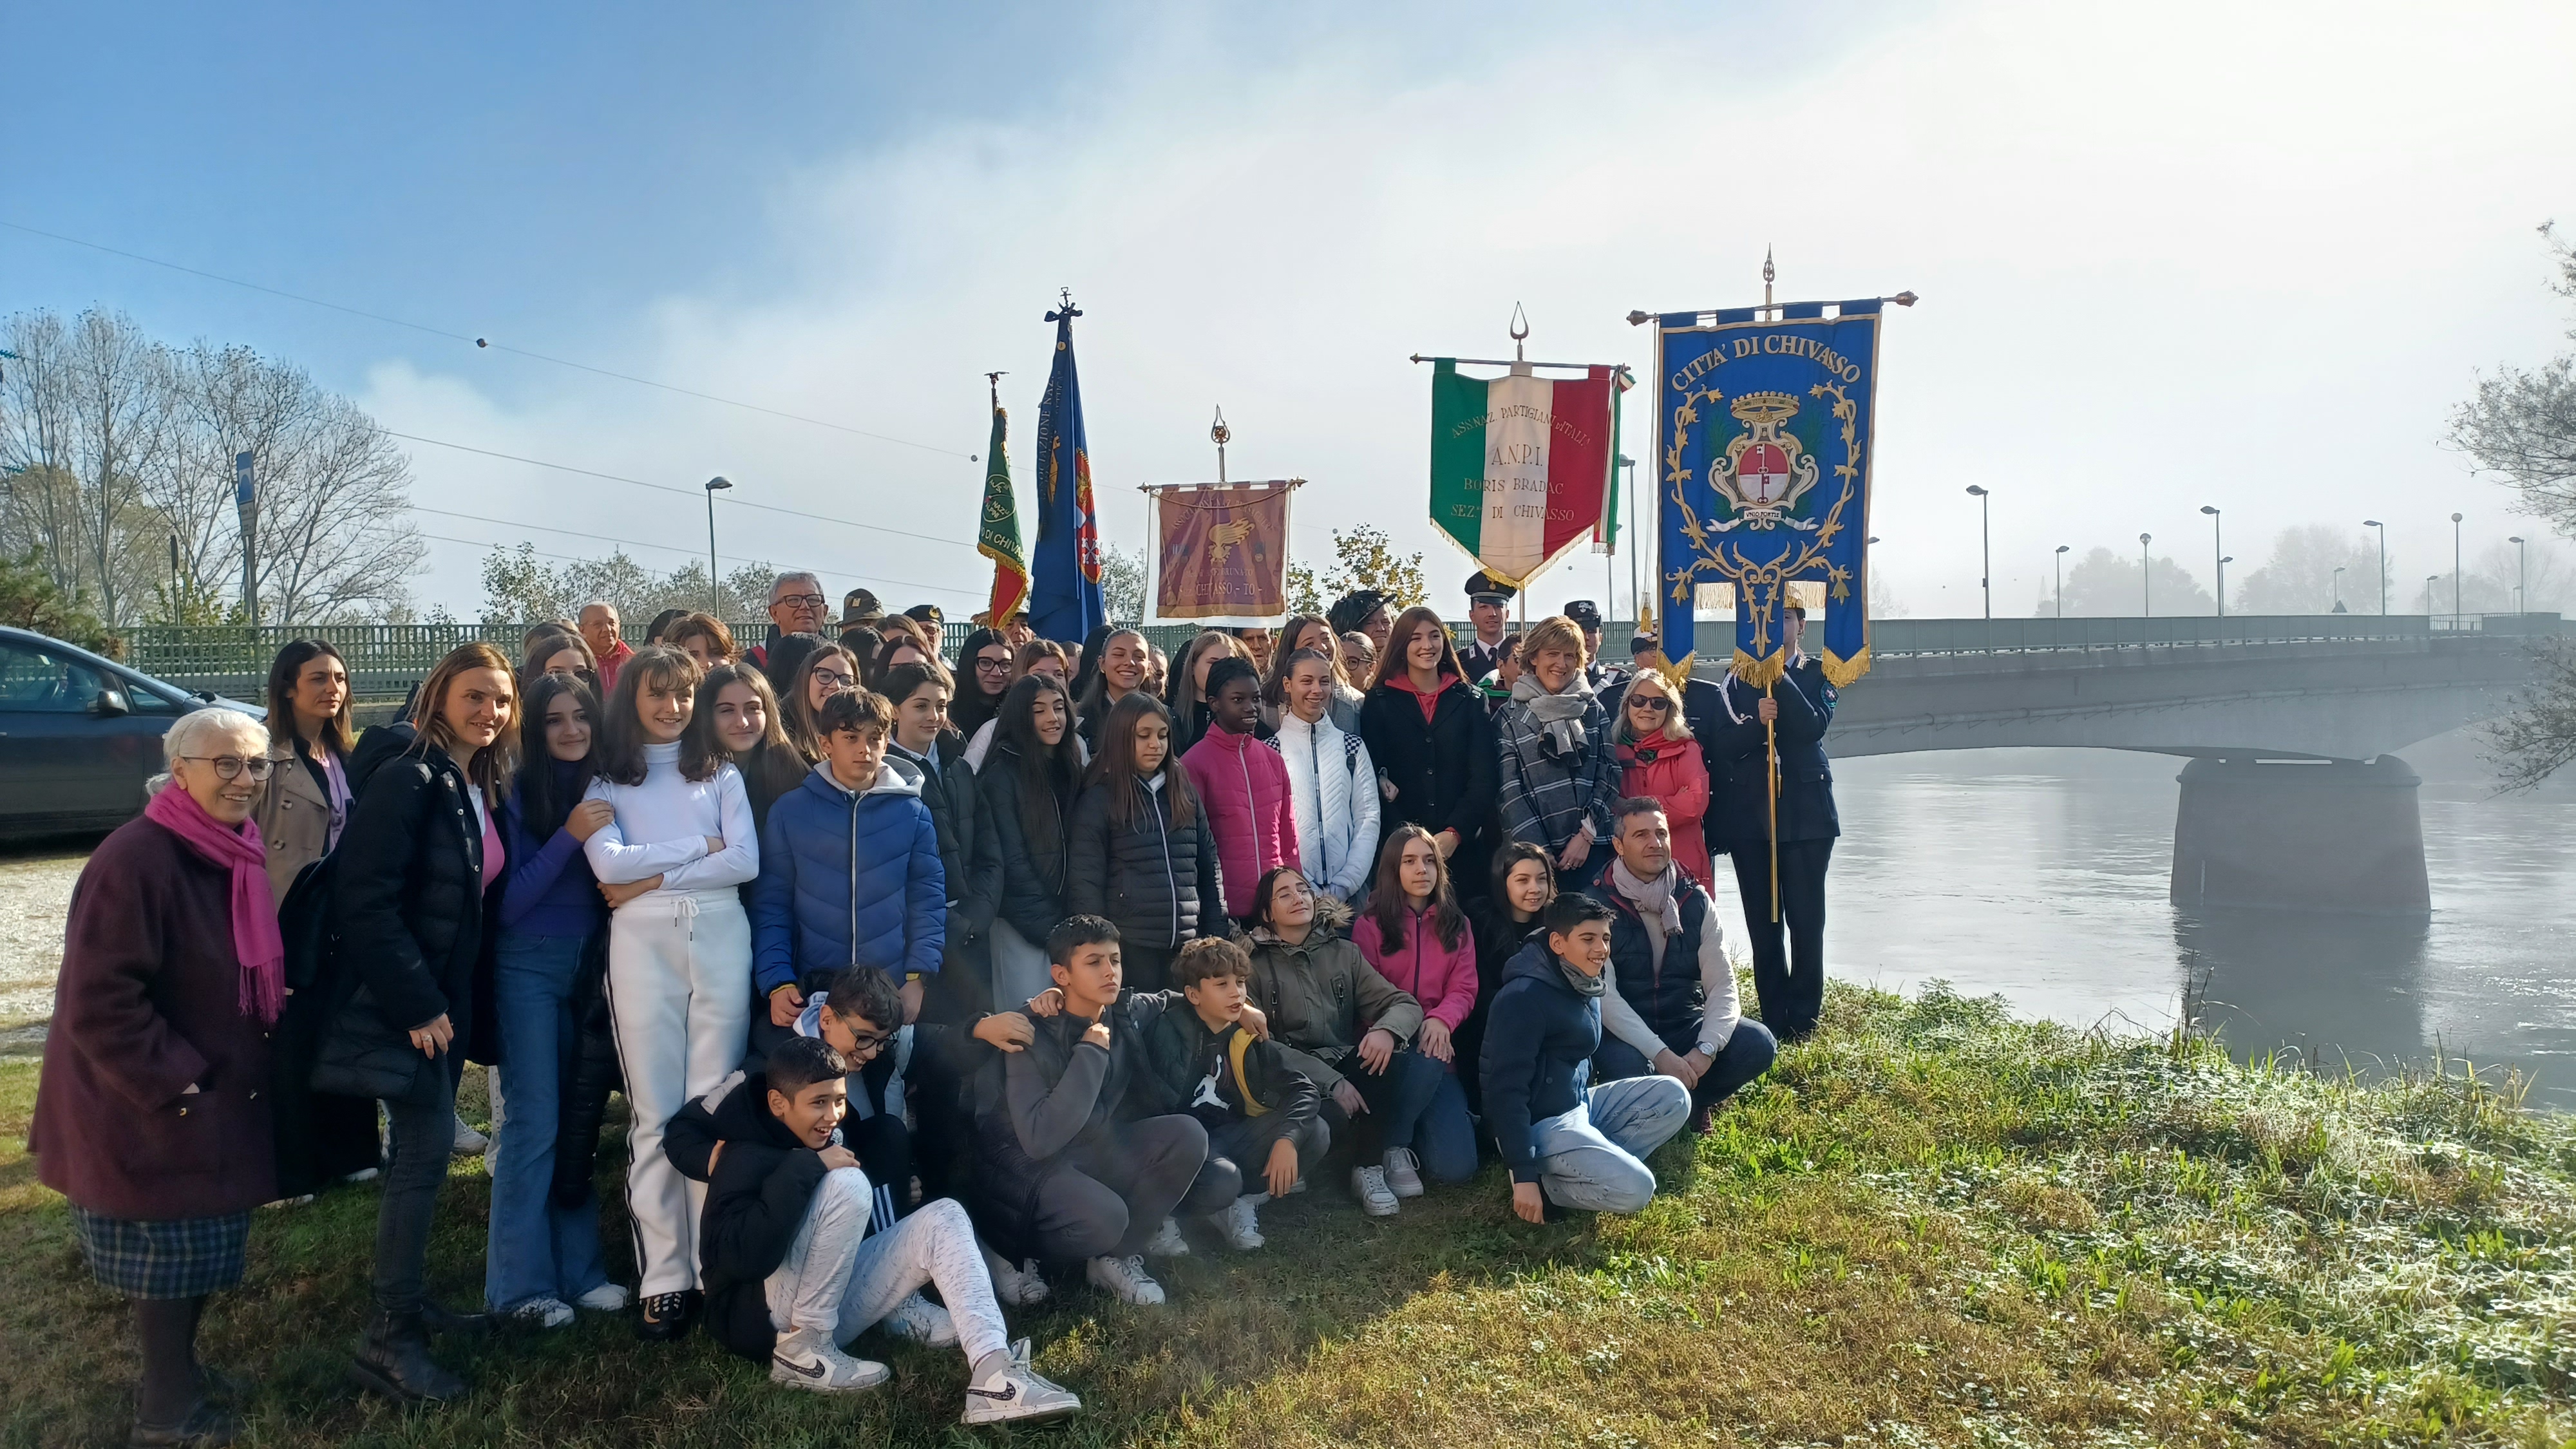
(1771,747)
(1153,548)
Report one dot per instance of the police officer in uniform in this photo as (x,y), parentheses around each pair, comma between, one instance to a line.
(1799,708)
(1587,617)
(1486,597)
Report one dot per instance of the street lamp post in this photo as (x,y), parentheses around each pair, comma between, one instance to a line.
(2383,562)
(2455,573)
(715,590)
(2336,583)
(2522,575)
(2217,547)
(2146,578)
(2429,581)
(1986,541)
(2061,581)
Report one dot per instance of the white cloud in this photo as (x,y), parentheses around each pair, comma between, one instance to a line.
(2245,255)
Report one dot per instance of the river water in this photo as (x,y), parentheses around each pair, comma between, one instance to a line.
(2041,875)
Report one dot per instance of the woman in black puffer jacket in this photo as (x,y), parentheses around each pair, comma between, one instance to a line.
(420,851)
(1142,855)
(1027,789)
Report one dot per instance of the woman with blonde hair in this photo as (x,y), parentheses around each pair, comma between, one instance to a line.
(1555,779)
(1658,759)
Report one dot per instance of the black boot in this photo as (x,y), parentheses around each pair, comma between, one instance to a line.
(441,1322)
(393,1360)
(205,1427)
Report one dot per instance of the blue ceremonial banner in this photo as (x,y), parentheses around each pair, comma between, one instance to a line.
(1765,473)
(1065,602)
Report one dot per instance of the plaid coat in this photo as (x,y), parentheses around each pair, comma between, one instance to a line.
(1544,798)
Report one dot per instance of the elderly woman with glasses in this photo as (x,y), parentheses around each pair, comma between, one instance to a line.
(153,1113)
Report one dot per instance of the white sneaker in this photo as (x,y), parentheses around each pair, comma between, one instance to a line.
(1125,1277)
(1300,1187)
(606,1298)
(1242,1232)
(542,1313)
(1011,1390)
(1019,1287)
(468,1143)
(809,1361)
(1368,1184)
(1403,1172)
(919,1320)
(1168,1242)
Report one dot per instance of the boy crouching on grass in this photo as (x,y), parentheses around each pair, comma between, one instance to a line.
(791,1269)
(1079,1159)
(1263,1117)
(905,1091)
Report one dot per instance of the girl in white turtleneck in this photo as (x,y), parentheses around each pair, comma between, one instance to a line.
(679,946)
(1332,786)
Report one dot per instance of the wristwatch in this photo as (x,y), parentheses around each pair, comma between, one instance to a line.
(1708,1049)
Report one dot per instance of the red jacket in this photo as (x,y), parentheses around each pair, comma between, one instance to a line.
(1442,978)
(1673,771)
(1243,786)
(612,661)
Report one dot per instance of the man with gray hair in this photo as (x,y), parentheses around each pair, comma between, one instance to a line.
(796,606)
(598,622)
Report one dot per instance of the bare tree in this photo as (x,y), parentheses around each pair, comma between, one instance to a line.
(86,412)
(2523,424)
(2539,737)
(2299,577)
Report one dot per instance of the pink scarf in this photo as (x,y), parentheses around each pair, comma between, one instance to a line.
(256,939)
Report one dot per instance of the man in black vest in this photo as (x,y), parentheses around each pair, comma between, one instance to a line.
(1672,1009)
(1798,709)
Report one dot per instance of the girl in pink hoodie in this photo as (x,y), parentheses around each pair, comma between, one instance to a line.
(1244,786)
(1414,934)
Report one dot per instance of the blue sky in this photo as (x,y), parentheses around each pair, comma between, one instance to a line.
(2158,270)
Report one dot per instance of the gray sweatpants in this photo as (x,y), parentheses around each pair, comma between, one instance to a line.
(839,1279)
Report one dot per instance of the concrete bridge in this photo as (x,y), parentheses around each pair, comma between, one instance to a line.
(2294,796)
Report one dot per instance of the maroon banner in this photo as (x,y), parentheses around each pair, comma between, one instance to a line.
(1223,553)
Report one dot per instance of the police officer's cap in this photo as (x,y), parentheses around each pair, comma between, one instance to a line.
(1585,613)
(1484,588)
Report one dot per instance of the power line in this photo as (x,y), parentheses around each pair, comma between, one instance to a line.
(637,543)
(669,488)
(481,342)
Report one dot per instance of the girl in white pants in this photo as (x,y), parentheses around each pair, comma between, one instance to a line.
(679,948)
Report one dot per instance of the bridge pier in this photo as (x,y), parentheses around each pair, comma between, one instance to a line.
(2301,833)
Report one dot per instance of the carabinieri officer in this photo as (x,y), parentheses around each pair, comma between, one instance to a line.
(1800,707)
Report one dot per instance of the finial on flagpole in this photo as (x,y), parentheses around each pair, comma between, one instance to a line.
(1067,309)
(1220,434)
(1767,275)
(994,380)
(1519,330)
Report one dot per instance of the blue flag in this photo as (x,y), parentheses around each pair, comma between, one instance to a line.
(1765,474)
(1065,603)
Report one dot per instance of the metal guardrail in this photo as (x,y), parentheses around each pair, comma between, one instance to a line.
(1896,637)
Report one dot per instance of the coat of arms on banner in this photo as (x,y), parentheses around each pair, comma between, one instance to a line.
(1764,472)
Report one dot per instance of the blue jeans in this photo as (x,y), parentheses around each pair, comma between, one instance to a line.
(1746,1055)
(1416,1104)
(1593,1158)
(536,1249)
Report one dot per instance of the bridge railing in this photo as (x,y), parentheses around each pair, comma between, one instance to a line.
(1897,637)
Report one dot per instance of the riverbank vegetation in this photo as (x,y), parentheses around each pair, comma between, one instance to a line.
(1932,1225)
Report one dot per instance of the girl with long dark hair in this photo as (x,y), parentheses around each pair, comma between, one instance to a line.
(1028,783)
(542,1257)
(740,721)
(1503,919)
(679,947)
(985,670)
(1117,669)
(1415,936)
(1430,739)
(828,670)
(1142,854)
(306,803)
(422,851)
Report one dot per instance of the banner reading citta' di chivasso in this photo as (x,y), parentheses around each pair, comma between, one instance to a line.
(1765,431)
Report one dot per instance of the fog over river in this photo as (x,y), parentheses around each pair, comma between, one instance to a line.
(2041,875)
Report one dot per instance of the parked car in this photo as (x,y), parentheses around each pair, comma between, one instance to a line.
(79,735)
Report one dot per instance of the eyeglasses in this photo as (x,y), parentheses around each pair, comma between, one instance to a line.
(869,1043)
(229,767)
(992,666)
(800,601)
(835,679)
(1651,706)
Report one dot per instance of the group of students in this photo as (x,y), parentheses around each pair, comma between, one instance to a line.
(919,977)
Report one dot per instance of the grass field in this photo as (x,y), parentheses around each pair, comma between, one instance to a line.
(1931,1225)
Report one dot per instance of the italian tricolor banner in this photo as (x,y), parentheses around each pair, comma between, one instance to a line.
(1521,465)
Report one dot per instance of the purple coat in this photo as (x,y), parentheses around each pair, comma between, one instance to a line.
(148,1003)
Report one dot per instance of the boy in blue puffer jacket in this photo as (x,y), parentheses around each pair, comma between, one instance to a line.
(849,869)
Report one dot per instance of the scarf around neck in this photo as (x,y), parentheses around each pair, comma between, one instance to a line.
(1560,716)
(1652,898)
(1583,985)
(257,943)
